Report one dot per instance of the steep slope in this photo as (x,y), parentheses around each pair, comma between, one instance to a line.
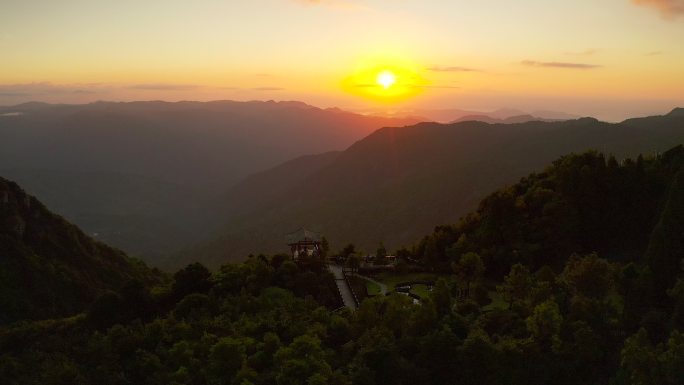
(395,184)
(142,213)
(590,319)
(582,203)
(666,247)
(261,188)
(48,267)
(185,152)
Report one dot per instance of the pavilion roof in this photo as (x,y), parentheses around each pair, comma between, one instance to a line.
(302,235)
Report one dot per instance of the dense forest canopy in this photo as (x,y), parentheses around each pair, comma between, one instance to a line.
(584,256)
(581,204)
(49,267)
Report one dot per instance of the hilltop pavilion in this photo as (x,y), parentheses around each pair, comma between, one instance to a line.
(304,242)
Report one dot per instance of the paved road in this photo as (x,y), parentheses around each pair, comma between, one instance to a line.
(383,287)
(345,290)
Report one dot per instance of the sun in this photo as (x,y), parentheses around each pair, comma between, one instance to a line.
(386,79)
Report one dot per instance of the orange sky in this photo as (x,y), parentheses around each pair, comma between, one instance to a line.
(611,59)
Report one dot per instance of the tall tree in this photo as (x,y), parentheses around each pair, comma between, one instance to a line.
(380,254)
(666,247)
(639,358)
(545,323)
(194,278)
(441,297)
(354,262)
(517,284)
(468,268)
(325,247)
(589,276)
(347,251)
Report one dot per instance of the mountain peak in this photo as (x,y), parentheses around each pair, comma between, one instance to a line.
(588,120)
(677,112)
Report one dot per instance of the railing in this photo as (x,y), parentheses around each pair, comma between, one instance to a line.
(356,299)
(339,294)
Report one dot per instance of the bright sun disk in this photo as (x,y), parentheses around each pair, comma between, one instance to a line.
(386,79)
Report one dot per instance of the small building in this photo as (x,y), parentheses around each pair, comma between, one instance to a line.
(304,242)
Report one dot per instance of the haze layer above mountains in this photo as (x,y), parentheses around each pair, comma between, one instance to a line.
(142,176)
(397,183)
(155,177)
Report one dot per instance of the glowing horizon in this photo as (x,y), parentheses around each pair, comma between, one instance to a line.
(617,59)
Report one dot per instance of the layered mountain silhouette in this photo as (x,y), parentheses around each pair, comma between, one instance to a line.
(397,183)
(154,177)
(459,115)
(140,175)
(509,120)
(50,268)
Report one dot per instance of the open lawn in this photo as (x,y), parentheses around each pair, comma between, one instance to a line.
(392,279)
(373,289)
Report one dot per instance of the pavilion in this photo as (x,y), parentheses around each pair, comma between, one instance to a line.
(304,242)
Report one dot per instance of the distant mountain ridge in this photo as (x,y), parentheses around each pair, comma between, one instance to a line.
(677,112)
(451,115)
(140,175)
(171,142)
(509,120)
(397,183)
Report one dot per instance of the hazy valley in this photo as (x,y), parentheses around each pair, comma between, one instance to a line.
(341,192)
(146,176)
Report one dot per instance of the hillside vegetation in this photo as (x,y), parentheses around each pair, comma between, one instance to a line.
(397,183)
(49,267)
(584,257)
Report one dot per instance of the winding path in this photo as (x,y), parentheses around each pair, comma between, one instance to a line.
(343,287)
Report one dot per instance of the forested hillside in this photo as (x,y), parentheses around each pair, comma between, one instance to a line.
(583,203)
(50,268)
(572,276)
(397,183)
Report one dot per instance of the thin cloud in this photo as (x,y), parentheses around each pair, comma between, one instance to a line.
(46,88)
(84,91)
(267,89)
(654,53)
(579,66)
(367,85)
(408,85)
(452,69)
(669,9)
(586,52)
(13,94)
(440,87)
(164,87)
